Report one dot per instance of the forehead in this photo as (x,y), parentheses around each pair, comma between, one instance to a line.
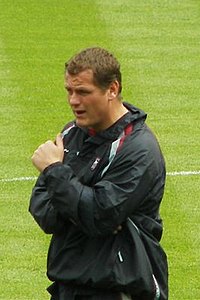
(83,78)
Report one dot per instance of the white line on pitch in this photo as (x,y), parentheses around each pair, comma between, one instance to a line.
(18,179)
(183,173)
(31,178)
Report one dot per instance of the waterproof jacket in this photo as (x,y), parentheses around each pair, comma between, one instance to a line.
(104,179)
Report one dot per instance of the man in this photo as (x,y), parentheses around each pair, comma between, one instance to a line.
(100,187)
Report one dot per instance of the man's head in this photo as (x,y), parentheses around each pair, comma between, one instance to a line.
(104,66)
(93,85)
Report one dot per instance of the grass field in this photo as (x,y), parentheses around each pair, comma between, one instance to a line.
(158,45)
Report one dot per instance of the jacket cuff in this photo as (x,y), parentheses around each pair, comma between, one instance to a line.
(57,163)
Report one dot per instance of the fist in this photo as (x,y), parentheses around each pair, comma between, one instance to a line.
(48,153)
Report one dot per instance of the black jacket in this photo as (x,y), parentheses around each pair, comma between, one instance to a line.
(104,179)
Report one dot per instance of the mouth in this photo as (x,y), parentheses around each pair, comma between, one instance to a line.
(79,113)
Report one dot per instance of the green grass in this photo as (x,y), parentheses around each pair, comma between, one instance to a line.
(181,215)
(157,43)
(22,252)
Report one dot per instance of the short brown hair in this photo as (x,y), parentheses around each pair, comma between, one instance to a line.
(104,65)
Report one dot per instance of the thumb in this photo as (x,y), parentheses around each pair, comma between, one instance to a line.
(59,141)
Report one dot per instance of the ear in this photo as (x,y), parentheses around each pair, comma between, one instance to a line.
(113,90)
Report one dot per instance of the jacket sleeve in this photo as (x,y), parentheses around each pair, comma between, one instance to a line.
(133,182)
(41,208)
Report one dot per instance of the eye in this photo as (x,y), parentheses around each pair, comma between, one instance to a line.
(69,91)
(83,92)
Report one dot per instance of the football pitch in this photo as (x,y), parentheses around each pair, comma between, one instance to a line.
(158,46)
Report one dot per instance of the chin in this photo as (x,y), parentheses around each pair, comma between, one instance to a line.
(82,124)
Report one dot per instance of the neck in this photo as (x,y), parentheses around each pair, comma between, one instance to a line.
(119,111)
(116,111)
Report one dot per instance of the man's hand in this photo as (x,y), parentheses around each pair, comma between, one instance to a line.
(48,153)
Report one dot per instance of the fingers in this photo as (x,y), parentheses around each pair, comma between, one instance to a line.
(48,153)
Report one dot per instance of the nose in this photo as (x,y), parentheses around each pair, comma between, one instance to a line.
(73,99)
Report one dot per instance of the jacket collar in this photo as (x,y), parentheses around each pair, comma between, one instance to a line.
(112,133)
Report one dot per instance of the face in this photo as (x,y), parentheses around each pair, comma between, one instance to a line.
(89,103)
